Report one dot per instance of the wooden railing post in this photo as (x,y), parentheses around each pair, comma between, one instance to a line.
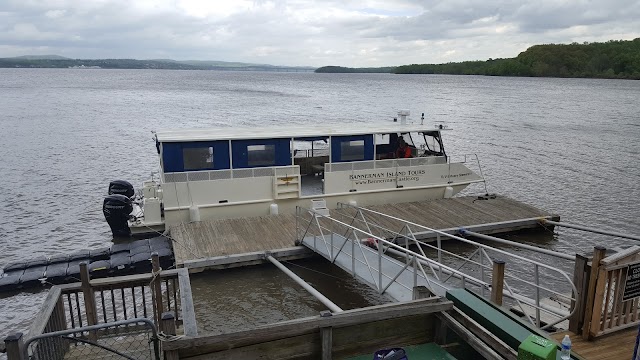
(326,334)
(580,280)
(439,326)
(598,255)
(497,282)
(189,324)
(168,326)
(14,345)
(89,299)
(156,286)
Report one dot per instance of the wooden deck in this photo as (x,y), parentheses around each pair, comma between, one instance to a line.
(616,346)
(225,237)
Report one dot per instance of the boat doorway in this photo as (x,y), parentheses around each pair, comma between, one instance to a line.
(311,154)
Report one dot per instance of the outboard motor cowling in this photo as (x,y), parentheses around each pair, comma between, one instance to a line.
(116,209)
(121,187)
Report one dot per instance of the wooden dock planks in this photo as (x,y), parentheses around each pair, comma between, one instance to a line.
(224,237)
(618,345)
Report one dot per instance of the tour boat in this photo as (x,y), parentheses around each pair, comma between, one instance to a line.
(230,172)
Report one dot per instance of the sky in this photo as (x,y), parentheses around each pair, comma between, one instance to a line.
(366,33)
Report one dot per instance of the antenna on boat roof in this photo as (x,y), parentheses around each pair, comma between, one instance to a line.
(402,114)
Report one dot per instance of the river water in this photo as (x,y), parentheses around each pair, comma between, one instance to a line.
(569,146)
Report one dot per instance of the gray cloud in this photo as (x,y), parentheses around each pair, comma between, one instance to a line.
(307,32)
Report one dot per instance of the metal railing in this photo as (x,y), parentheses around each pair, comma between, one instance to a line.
(335,245)
(142,343)
(383,164)
(442,269)
(111,300)
(206,175)
(122,298)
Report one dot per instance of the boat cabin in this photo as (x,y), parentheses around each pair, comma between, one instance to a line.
(206,169)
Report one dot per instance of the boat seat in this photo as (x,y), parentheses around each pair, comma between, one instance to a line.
(317,169)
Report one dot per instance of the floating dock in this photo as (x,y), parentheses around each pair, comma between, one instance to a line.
(219,240)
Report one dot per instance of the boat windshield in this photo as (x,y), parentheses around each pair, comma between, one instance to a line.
(422,144)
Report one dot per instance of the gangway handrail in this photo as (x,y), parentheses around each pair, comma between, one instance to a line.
(519,299)
(524,246)
(384,241)
(461,239)
(353,229)
(484,247)
(463,276)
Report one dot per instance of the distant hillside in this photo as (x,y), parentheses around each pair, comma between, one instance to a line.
(340,69)
(40,57)
(54,61)
(612,59)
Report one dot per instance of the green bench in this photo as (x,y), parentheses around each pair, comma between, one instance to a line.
(504,325)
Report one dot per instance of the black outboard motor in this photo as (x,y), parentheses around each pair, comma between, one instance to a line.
(116,209)
(121,187)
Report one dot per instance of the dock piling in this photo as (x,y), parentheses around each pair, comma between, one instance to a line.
(89,299)
(14,345)
(168,327)
(156,285)
(598,255)
(497,282)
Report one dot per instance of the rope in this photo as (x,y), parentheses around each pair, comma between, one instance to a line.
(168,337)
(173,240)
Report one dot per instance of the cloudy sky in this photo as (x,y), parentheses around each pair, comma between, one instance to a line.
(307,32)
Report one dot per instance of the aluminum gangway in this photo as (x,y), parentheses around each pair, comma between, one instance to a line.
(393,261)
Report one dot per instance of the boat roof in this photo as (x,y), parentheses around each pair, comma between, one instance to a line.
(280,132)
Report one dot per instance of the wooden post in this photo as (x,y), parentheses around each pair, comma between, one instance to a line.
(439,326)
(168,326)
(14,345)
(326,334)
(89,300)
(189,324)
(598,255)
(156,286)
(497,282)
(579,280)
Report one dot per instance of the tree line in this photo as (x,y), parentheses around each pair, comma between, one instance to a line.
(615,59)
(30,62)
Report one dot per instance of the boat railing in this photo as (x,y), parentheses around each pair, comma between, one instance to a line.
(107,300)
(206,175)
(468,159)
(525,282)
(383,164)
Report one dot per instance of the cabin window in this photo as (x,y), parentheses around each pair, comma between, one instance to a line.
(195,156)
(352,150)
(261,155)
(199,158)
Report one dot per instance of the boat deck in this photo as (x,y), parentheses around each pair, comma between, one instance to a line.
(618,345)
(228,237)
